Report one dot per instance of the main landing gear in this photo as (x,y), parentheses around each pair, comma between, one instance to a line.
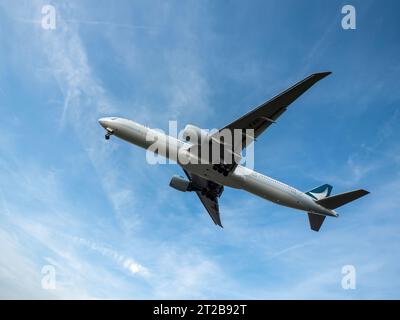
(212,191)
(209,194)
(221,169)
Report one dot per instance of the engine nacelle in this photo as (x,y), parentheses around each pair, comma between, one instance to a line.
(194,134)
(180,184)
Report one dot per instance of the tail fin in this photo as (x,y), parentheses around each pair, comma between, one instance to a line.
(320,192)
(341,199)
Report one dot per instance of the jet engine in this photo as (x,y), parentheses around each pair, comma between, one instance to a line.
(181,184)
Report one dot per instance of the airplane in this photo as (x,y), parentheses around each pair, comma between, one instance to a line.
(208,179)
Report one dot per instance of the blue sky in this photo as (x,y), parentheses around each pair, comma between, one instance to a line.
(108,222)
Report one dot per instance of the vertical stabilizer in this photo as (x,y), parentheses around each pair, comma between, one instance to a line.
(320,192)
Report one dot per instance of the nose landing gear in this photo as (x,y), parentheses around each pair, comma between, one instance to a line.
(108,134)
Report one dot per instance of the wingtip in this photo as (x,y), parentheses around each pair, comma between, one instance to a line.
(315,77)
(219,224)
(323,74)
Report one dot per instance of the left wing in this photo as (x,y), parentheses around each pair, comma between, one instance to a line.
(209,194)
(263,116)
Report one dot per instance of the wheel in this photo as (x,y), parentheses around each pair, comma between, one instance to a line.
(225,173)
(107,137)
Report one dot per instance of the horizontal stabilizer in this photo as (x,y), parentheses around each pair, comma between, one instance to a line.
(341,199)
(316,221)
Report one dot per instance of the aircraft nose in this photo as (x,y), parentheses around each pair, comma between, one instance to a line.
(103,122)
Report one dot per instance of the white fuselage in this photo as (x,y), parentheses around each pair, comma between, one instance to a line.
(241,178)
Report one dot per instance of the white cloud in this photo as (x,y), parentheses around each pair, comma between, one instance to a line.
(19,276)
(126,262)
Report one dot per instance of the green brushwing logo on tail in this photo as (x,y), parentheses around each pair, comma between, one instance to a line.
(320,192)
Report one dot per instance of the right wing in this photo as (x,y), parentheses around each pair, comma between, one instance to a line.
(209,197)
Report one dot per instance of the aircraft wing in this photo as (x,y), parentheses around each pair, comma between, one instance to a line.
(263,116)
(209,197)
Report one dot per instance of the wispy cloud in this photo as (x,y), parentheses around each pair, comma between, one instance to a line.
(126,262)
